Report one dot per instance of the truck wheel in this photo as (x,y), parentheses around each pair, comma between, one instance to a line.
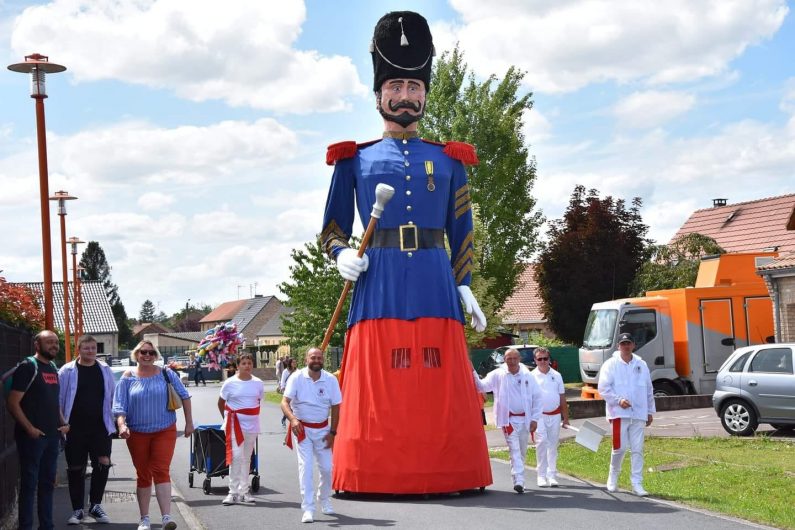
(665,389)
(738,418)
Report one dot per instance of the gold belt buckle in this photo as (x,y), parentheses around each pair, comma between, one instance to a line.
(408,233)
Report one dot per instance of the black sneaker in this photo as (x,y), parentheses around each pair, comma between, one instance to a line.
(76,517)
(518,488)
(98,514)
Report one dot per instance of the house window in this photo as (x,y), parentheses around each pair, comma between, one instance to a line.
(432,357)
(401,358)
(100,347)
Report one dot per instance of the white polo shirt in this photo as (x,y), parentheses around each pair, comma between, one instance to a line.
(312,400)
(240,394)
(551,384)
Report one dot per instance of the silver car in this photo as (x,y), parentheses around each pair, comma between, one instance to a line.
(756,385)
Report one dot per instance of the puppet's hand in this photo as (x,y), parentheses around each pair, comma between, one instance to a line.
(350,266)
(472,308)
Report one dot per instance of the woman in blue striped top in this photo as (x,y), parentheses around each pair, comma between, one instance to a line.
(150,429)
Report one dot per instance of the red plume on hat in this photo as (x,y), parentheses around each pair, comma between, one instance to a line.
(402,48)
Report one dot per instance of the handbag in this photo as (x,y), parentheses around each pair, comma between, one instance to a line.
(174,402)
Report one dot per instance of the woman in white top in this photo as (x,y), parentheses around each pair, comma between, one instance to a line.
(289,369)
(239,404)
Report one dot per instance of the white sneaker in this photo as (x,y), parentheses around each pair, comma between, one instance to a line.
(612,483)
(76,517)
(229,500)
(168,523)
(553,482)
(145,524)
(639,491)
(327,508)
(307,517)
(542,482)
(98,513)
(247,499)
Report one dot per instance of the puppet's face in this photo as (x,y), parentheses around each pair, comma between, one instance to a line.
(401,100)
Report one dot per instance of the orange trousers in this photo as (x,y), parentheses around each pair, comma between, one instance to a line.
(151,454)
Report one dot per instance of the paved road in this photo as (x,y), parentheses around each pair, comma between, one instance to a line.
(576,504)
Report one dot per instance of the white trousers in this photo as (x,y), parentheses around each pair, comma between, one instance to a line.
(546,436)
(517,445)
(313,449)
(632,437)
(241,463)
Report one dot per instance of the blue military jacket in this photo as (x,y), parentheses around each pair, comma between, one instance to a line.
(398,283)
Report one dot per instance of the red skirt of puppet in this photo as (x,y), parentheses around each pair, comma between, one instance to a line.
(410,418)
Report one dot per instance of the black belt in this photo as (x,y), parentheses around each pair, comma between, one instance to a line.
(408,237)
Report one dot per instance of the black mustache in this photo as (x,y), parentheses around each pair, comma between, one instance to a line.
(404,104)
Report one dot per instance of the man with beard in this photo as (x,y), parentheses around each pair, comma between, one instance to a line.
(33,403)
(310,394)
(405,372)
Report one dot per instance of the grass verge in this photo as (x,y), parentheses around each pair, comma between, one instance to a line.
(753,479)
(273,397)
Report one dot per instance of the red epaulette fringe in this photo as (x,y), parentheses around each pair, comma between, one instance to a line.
(340,151)
(462,151)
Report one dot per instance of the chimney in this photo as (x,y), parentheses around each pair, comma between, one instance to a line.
(718,202)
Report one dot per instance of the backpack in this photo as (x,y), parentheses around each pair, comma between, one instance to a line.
(7,378)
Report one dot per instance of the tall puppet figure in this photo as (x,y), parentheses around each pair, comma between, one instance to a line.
(410,420)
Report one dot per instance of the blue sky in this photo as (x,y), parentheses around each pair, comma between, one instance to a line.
(194,133)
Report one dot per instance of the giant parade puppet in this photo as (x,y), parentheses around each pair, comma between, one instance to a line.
(410,418)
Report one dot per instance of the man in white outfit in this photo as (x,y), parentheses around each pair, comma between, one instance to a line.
(553,408)
(517,408)
(625,385)
(311,393)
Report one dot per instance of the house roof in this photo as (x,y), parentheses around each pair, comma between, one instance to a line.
(250,310)
(224,312)
(779,264)
(192,336)
(97,314)
(524,306)
(149,327)
(747,226)
(273,327)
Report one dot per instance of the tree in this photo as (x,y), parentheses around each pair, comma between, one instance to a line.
(674,265)
(312,292)
(96,268)
(147,313)
(489,116)
(592,255)
(19,308)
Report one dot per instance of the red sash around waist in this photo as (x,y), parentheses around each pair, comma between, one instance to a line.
(553,412)
(232,422)
(288,440)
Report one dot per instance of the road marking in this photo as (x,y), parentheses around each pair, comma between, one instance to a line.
(191,520)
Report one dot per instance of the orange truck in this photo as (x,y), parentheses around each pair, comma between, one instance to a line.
(685,334)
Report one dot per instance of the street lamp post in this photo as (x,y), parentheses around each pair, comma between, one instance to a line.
(74,241)
(62,197)
(38,66)
(79,301)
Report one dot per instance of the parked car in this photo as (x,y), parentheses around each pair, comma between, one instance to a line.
(756,385)
(496,358)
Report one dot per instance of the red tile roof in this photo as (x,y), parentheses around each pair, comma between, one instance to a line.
(782,262)
(524,305)
(747,226)
(225,311)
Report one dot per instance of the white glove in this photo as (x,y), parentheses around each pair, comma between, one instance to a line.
(472,308)
(350,265)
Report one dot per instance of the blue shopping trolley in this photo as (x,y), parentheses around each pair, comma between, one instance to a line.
(208,456)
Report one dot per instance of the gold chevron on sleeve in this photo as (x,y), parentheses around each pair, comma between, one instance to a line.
(466,244)
(463,202)
(332,237)
(463,272)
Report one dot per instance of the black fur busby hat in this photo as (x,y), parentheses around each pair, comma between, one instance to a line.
(402,47)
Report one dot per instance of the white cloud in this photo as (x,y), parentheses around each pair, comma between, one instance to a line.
(154,200)
(568,44)
(644,110)
(238,51)
(536,126)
